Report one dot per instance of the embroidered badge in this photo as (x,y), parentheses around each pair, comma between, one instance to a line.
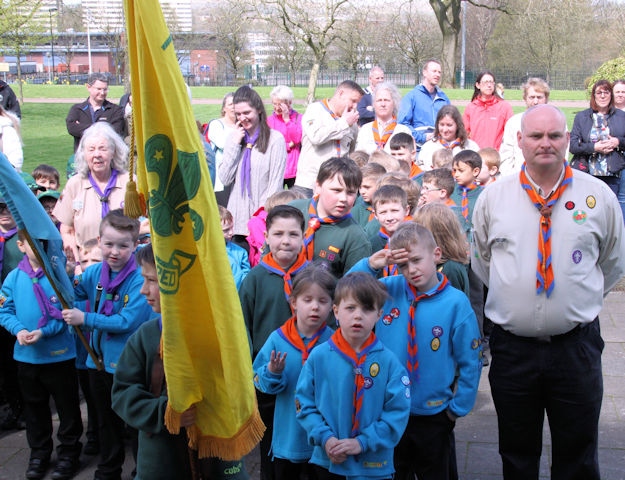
(405,380)
(334,249)
(591,201)
(475,343)
(579,216)
(323,253)
(435,344)
(374,369)
(407,393)
(437,331)
(54,299)
(2,300)
(569,205)
(394,312)
(116,297)
(298,406)
(387,319)
(368,382)
(576,256)
(331,257)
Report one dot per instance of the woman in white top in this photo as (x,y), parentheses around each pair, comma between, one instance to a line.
(10,139)
(449,133)
(375,135)
(218,131)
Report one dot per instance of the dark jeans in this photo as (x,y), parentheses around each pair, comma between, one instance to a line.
(562,378)
(425,449)
(92,414)
(38,383)
(266,408)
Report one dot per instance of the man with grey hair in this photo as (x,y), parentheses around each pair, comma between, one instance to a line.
(365,106)
(549,245)
(95,109)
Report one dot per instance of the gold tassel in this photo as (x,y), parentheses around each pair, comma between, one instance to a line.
(132,200)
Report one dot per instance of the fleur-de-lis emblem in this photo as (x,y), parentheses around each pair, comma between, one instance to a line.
(170,202)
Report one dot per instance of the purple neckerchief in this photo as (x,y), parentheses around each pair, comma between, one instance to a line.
(246,163)
(104,196)
(45,306)
(110,286)
(4,236)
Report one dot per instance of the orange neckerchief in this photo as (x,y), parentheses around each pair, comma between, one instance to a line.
(270,264)
(290,334)
(314,223)
(380,141)
(357,360)
(465,198)
(544,271)
(337,143)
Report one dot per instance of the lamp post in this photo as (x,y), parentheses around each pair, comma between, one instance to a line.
(50,11)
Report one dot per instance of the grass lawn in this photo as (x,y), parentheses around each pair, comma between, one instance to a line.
(46,139)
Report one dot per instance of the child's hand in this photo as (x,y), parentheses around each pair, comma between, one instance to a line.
(73,317)
(34,336)
(276,362)
(187,418)
(346,446)
(70,266)
(22,337)
(380,259)
(330,444)
(399,256)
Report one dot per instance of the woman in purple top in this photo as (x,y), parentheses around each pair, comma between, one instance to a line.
(289,123)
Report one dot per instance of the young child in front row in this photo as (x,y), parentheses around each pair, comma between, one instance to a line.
(363,210)
(112,288)
(353,395)
(45,353)
(139,396)
(237,256)
(491,160)
(467,166)
(264,296)
(431,328)
(333,237)
(279,363)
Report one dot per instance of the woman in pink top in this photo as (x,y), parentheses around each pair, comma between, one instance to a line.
(289,123)
(486,116)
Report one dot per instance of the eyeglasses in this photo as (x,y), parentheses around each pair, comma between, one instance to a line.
(487,82)
(602,93)
(427,190)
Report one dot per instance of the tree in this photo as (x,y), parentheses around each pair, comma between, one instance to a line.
(292,55)
(19,32)
(312,22)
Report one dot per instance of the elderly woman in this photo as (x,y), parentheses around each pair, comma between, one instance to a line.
(598,139)
(253,162)
(289,123)
(449,133)
(376,135)
(99,186)
(486,116)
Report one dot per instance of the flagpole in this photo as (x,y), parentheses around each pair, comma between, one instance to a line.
(77,330)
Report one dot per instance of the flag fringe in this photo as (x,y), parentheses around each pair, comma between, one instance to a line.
(233,448)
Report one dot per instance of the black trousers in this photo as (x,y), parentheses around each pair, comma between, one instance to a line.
(561,377)
(286,470)
(92,414)
(266,408)
(425,449)
(111,428)
(37,384)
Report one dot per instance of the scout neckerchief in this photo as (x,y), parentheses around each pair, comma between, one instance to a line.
(4,236)
(246,162)
(314,222)
(357,360)
(380,141)
(450,145)
(371,213)
(291,335)
(104,196)
(269,263)
(390,270)
(337,143)
(450,203)
(110,286)
(465,198)
(45,306)
(412,362)
(544,270)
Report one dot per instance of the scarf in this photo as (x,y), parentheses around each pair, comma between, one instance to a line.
(450,145)
(272,266)
(314,223)
(104,196)
(289,333)
(337,143)
(380,141)
(45,306)
(110,286)
(246,162)
(371,213)
(465,199)
(412,362)
(544,271)
(357,360)
(4,236)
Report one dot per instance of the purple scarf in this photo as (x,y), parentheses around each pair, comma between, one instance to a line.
(110,286)
(246,163)
(45,306)
(4,236)
(104,196)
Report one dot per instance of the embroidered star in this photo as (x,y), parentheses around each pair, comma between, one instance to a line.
(158,155)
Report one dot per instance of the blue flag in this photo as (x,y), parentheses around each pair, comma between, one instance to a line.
(46,239)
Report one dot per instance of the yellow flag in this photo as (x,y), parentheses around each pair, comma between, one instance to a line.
(205,350)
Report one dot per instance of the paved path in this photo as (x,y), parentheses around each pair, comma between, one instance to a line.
(476,434)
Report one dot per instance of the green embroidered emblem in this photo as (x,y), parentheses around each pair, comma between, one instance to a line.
(169,272)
